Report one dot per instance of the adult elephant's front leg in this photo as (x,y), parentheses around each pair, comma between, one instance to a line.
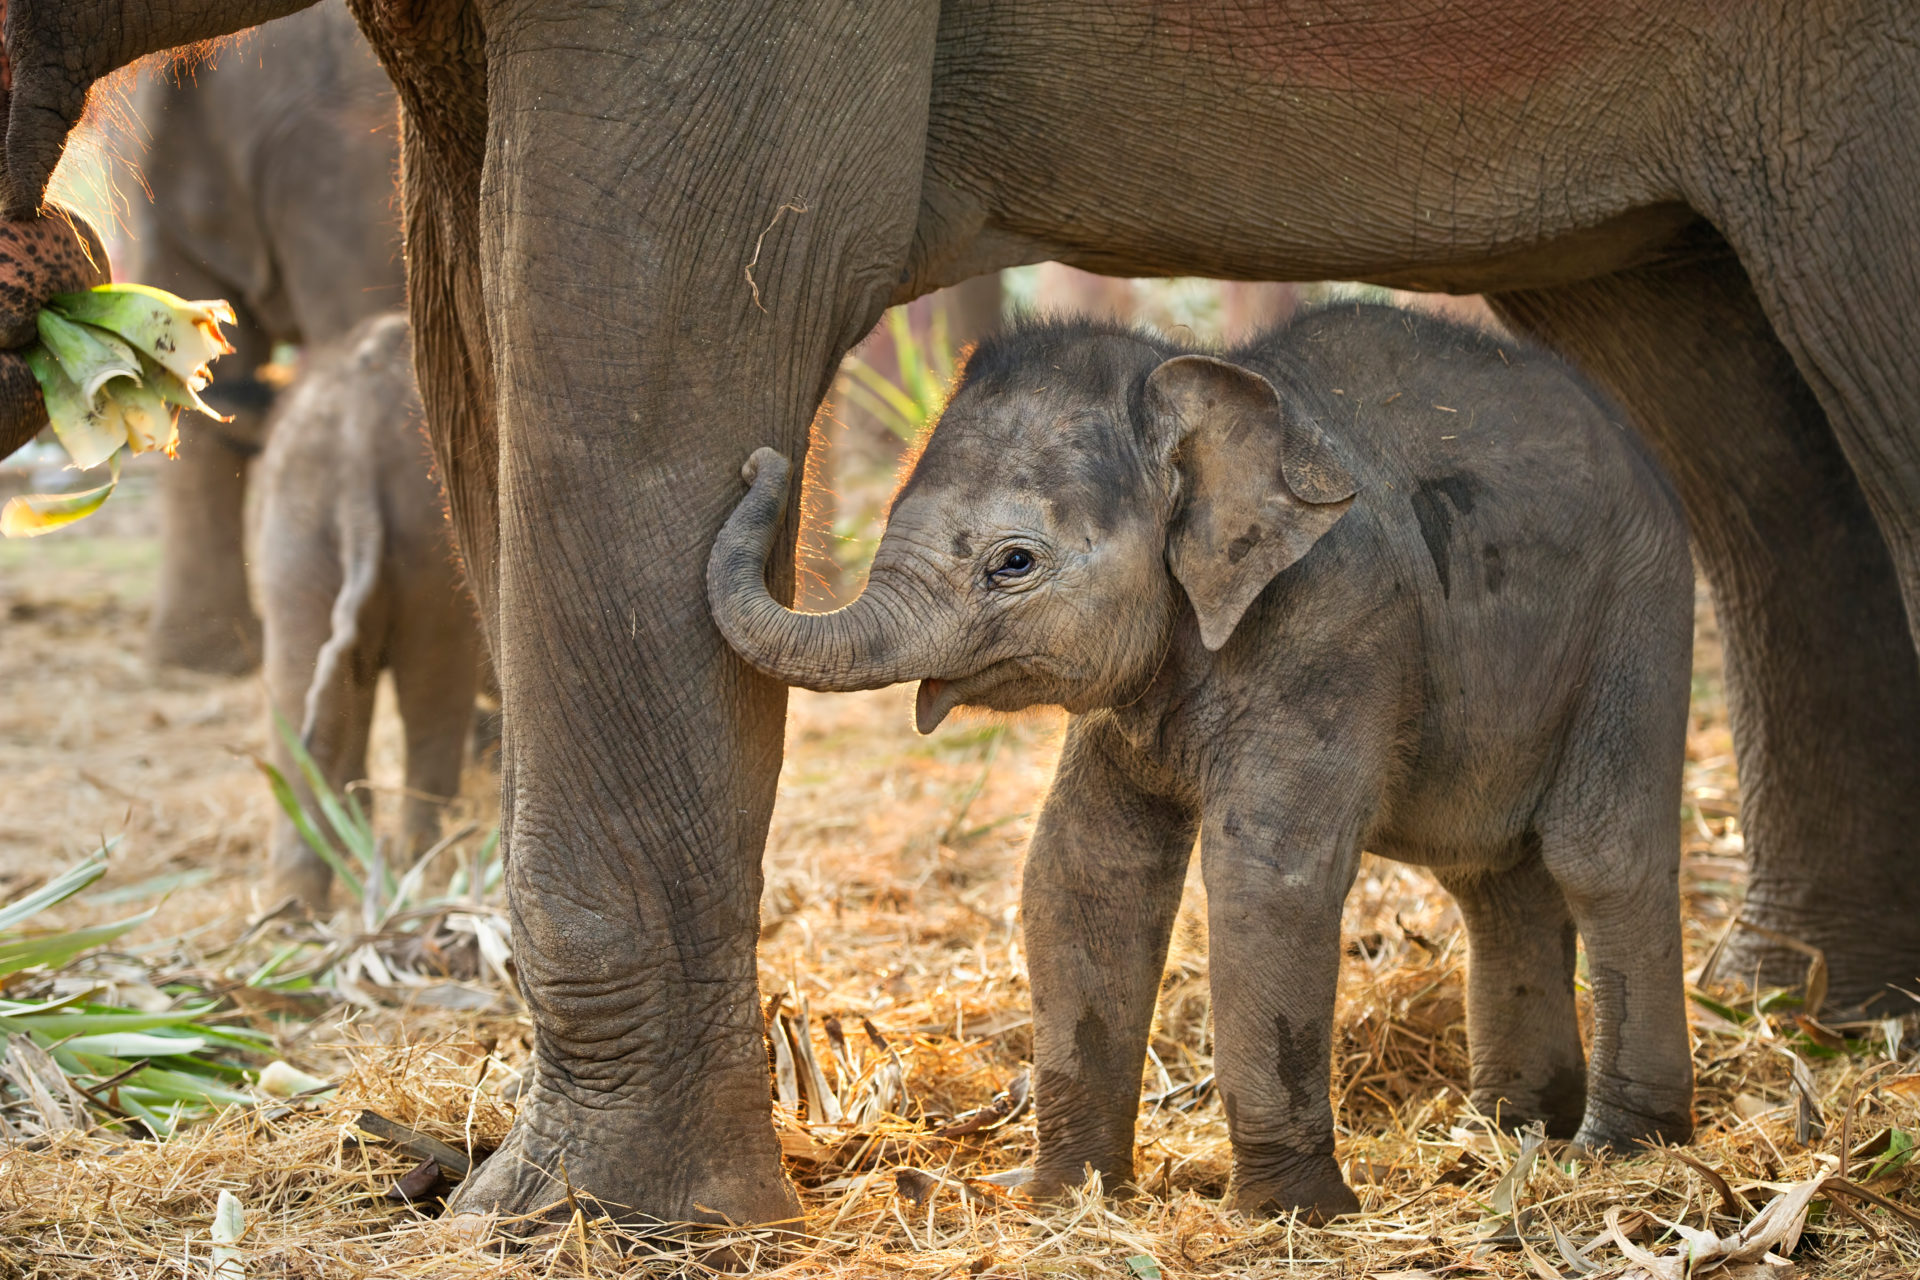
(686,216)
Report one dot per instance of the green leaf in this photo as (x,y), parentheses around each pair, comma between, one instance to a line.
(154,887)
(90,357)
(82,426)
(175,392)
(272,966)
(321,846)
(1143,1266)
(184,336)
(139,413)
(135,1044)
(353,829)
(56,949)
(1727,1011)
(1899,1151)
(95,1020)
(59,889)
(28,515)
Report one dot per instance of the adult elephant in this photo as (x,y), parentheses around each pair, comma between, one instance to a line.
(640,236)
(272,176)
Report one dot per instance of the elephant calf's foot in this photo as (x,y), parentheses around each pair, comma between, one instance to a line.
(1309,1184)
(1053,1179)
(559,1148)
(1561,1106)
(1626,1132)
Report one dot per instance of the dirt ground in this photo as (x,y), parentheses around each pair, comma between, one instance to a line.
(892,886)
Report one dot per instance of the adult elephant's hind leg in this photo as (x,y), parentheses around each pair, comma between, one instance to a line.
(1815,182)
(1822,684)
(687,215)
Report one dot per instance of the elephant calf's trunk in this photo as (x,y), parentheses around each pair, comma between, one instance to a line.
(857,647)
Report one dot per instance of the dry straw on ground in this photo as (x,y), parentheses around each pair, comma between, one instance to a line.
(891,887)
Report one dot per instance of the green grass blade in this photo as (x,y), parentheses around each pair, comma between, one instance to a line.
(357,836)
(321,846)
(55,949)
(59,889)
(95,1021)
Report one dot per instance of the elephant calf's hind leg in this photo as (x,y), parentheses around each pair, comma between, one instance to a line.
(1522,1027)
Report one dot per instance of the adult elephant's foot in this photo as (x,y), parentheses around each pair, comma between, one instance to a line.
(216,644)
(613,1156)
(1306,1183)
(1865,924)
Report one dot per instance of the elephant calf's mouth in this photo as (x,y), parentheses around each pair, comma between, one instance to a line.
(929,708)
(937,697)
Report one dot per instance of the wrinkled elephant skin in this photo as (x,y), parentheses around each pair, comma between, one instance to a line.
(640,237)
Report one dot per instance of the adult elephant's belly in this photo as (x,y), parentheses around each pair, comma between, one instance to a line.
(1518,167)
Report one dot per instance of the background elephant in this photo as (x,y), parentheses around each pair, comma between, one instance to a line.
(272,174)
(358,576)
(639,240)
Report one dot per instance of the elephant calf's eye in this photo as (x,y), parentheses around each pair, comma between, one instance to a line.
(1015,562)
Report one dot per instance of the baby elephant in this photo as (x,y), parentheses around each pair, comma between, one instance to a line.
(357,574)
(1373,581)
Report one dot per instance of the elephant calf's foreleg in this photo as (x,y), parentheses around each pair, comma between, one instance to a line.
(1101,891)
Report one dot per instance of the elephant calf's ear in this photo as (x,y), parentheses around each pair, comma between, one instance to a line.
(1259,485)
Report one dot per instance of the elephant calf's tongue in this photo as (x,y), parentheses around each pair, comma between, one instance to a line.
(927,712)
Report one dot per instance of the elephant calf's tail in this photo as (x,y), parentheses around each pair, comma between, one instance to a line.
(362,535)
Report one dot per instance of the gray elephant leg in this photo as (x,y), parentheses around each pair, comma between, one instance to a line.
(1522,1028)
(1609,835)
(1101,890)
(1276,877)
(434,659)
(1823,686)
(637,364)
(203,618)
(298,584)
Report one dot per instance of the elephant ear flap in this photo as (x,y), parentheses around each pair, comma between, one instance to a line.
(1259,485)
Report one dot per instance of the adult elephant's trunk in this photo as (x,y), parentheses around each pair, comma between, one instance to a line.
(877,640)
(56,49)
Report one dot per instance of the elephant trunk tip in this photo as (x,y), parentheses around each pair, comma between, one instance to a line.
(865,645)
(768,459)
